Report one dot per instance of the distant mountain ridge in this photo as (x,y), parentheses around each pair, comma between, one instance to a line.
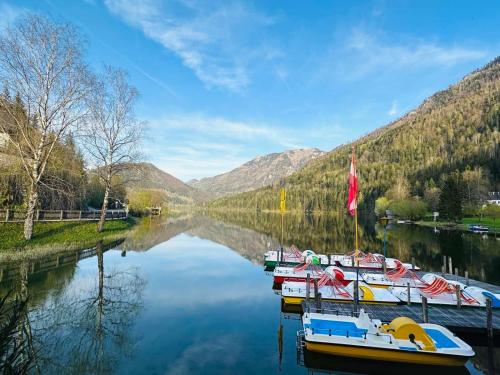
(456,129)
(261,171)
(148,176)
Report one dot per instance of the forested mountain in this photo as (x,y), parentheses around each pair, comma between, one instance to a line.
(455,130)
(148,176)
(259,172)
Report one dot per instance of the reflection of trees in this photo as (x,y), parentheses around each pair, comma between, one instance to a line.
(86,329)
(244,241)
(16,351)
(335,234)
(152,231)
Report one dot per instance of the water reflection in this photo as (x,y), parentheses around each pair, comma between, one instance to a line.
(190,296)
(477,254)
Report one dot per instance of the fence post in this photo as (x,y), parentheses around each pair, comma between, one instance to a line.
(425,310)
(408,292)
(459,296)
(308,287)
(467,278)
(443,267)
(450,265)
(79,215)
(37,215)
(62,215)
(7,215)
(318,303)
(489,318)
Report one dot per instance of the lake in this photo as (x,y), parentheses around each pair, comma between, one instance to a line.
(189,294)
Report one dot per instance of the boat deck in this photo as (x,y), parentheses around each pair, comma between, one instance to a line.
(464,320)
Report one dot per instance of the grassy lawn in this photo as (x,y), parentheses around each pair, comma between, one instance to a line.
(485,221)
(58,234)
(464,225)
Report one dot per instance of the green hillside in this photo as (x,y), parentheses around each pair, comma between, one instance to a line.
(454,130)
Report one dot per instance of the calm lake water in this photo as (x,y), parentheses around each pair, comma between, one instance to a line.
(189,295)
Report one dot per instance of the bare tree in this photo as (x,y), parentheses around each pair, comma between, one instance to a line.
(113,133)
(41,61)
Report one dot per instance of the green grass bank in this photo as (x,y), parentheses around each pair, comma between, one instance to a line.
(58,236)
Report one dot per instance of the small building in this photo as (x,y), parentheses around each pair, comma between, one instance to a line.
(494,197)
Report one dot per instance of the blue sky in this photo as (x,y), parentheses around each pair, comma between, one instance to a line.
(224,81)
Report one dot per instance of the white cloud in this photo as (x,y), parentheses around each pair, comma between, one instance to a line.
(363,53)
(195,145)
(210,38)
(9,13)
(394,108)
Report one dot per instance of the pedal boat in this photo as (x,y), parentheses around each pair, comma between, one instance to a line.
(282,274)
(403,340)
(272,258)
(293,293)
(440,291)
(400,276)
(379,280)
(368,262)
(482,294)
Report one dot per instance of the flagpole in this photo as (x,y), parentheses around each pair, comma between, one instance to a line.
(356,250)
(356,230)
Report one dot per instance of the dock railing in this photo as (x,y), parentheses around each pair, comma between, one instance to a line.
(16,216)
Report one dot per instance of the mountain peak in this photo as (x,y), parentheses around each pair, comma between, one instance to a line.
(261,171)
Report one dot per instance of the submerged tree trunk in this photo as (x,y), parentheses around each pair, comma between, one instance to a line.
(30,214)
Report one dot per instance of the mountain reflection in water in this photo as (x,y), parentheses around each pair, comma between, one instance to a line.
(188,294)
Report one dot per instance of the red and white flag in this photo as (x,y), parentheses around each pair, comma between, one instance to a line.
(352,202)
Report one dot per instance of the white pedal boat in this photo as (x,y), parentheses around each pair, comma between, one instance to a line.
(446,297)
(273,257)
(403,340)
(379,280)
(347,261)
(294,293)
(282,274)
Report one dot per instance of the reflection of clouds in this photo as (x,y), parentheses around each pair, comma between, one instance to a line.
(188,272)
(222,352)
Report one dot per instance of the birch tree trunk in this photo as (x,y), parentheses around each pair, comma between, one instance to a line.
(42,62)
(30,214)
(102,218)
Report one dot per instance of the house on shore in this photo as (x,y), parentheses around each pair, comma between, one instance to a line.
(494,197)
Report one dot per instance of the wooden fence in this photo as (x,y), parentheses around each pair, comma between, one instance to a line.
(15,216)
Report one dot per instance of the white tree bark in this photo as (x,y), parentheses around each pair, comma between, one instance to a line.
(112,133)
(42,62)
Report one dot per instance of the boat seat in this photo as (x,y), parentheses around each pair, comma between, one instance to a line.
(335,328)
(404,328)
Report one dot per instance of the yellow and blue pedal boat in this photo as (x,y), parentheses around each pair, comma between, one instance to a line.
(403,340)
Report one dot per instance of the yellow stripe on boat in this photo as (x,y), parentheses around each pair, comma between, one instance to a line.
(386,355)
(299,300)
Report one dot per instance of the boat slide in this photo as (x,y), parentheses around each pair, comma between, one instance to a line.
(282,274)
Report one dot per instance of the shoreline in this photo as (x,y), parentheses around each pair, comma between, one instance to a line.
(57,238)
(453,226)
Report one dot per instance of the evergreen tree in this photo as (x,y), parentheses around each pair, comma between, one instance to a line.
(450,201)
